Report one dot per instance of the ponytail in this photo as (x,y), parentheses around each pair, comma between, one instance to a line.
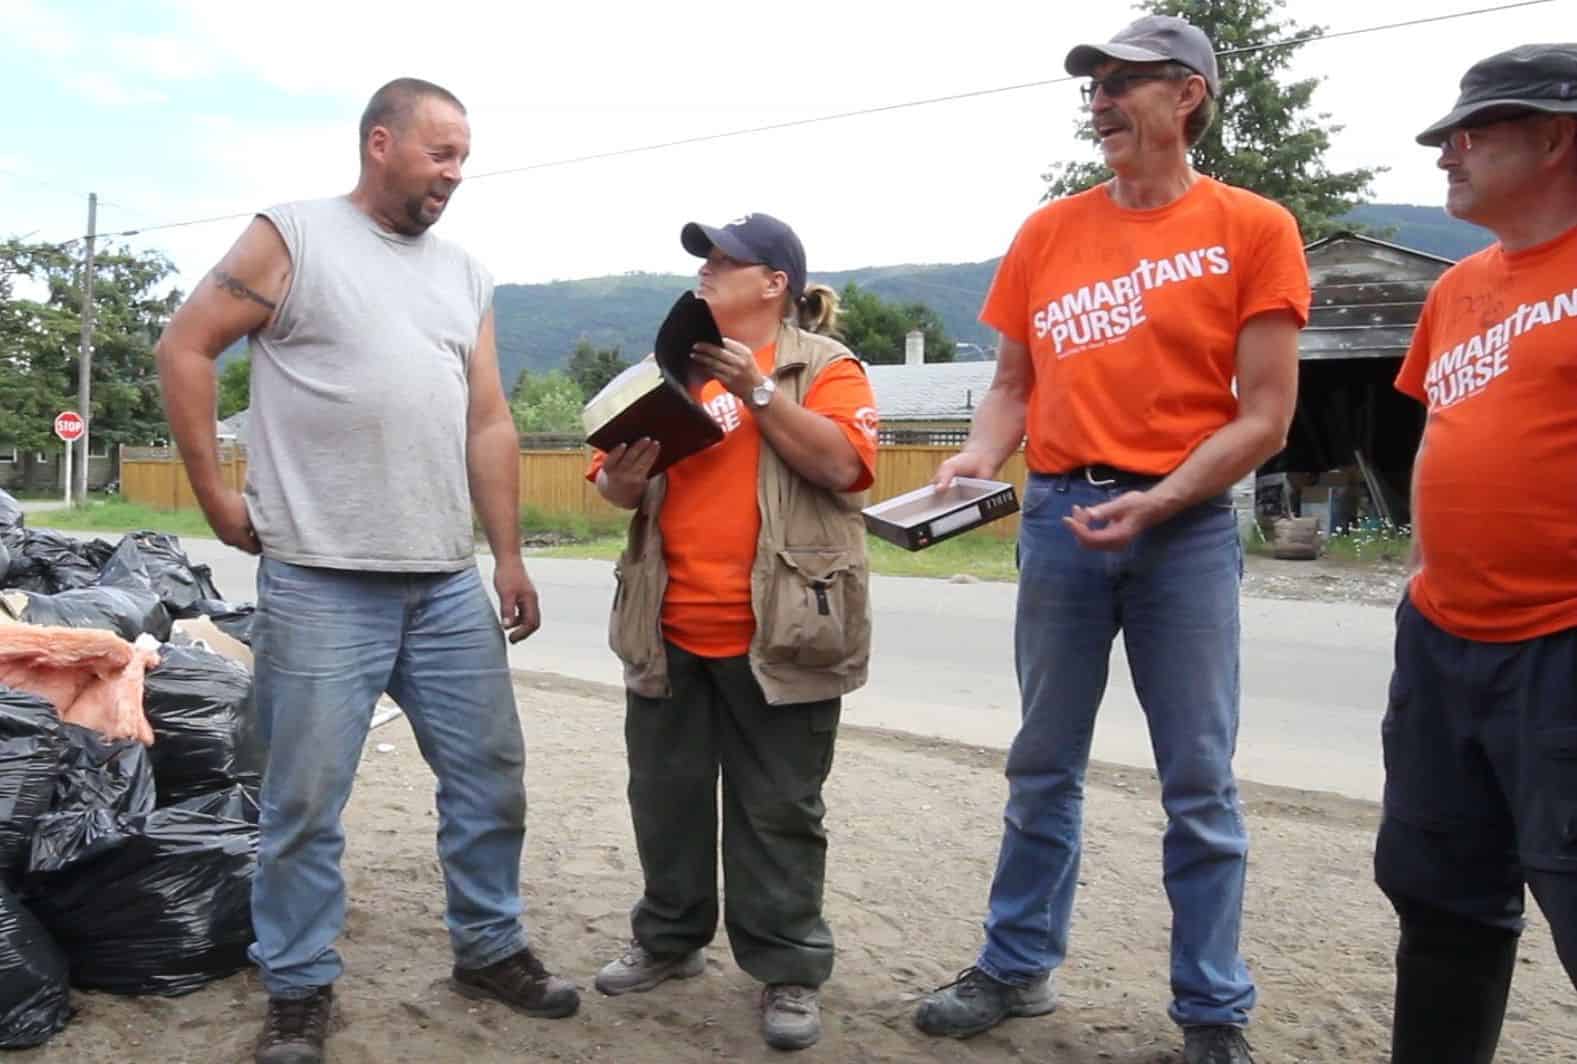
(818,311)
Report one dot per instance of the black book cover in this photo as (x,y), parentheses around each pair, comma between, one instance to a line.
(652,398)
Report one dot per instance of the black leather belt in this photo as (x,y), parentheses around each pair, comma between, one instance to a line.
(1105,476)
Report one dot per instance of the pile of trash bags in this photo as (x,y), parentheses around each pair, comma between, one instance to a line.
(125,866)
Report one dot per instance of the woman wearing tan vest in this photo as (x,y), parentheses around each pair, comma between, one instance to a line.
(741,617)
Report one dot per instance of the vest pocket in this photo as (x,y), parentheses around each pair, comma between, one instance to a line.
(632,619)
(816,595)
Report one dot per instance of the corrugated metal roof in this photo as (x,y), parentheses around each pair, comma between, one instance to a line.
(933,391)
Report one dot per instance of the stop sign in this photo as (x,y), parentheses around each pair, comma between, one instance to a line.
(69,426)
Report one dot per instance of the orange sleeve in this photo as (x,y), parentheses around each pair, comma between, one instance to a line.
(1007,303)
(1278,272)
(843,393)
(1415,364)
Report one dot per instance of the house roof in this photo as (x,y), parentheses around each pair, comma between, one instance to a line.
(933,391)
(234,426)
(1368,294)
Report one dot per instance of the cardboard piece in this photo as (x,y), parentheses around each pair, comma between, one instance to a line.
(653,397)
(925,516)
(203,630)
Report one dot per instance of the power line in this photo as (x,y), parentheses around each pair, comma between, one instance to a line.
(773,127)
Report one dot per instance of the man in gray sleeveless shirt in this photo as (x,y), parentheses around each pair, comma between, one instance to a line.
(378,421)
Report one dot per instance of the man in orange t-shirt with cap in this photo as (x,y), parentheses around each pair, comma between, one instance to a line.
(1481,731)
(1127,313)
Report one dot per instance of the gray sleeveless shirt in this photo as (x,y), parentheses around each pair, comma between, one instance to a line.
(357,432)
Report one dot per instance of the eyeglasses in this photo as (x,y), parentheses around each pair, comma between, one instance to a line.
(1460,140)
(1119,83)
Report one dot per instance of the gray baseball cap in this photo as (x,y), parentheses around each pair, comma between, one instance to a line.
(1152,39)
(1534,77)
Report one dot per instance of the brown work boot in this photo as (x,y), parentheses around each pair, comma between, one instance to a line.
(295,1028)
(520,982)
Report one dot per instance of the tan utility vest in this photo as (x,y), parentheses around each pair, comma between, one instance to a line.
(809,584)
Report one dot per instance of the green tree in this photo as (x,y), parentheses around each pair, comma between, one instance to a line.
(592,367)
(1263,139)
(40,342)
(32,389)
(547,402)
(235,386)
(875,329)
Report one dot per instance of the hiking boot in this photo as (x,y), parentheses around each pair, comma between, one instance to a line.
(975,1002)
(520,982)
(639,970)
(294,1031)
(1215,1044)
(790,1016)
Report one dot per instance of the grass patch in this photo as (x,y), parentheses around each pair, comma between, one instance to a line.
(977,554)
(1386,544)
(120,516)
(1352,546)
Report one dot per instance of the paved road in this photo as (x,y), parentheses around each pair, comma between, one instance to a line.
(1314,674)
(38,506)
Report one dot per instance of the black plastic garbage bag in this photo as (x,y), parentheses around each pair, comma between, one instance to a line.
(34,997)
(61,559)
(234,803)
(100,773)
(12,535)
(24,574)
(234,619)
(155,560)
(204,723)
(98,552)
(152,904)
(10,512)
(126,611)
(31,745)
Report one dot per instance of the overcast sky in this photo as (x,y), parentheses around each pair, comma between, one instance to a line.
(180,109)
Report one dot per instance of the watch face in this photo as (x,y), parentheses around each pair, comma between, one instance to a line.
(761,394)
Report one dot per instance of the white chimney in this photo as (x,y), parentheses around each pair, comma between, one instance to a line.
(914,348)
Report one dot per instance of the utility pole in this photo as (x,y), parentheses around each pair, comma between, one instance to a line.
(85,364)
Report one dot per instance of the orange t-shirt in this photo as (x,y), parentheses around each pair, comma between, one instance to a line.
(710,520)
(1494,358)
(1132,317)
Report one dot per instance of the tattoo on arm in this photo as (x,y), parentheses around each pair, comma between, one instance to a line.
(239,290)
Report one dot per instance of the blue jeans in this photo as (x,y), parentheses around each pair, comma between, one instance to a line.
(328,643)
(1174,595)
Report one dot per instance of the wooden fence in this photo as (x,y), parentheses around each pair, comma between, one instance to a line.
(552,482)
(155,477)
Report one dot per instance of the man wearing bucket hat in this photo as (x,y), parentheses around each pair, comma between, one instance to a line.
(1126,313)
(1480,733)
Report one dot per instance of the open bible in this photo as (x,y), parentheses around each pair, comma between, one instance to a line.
(653,398)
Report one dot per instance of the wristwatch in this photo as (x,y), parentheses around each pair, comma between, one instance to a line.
(762,393)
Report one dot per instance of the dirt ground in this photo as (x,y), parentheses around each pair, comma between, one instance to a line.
(914,826)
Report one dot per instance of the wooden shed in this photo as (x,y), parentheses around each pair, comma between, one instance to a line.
(1350,451)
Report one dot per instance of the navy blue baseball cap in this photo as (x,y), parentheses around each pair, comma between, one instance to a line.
(756,238)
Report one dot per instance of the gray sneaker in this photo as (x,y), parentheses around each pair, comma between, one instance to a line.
(975,1002)
(1215,1045)
(639,970)
(790,1016)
